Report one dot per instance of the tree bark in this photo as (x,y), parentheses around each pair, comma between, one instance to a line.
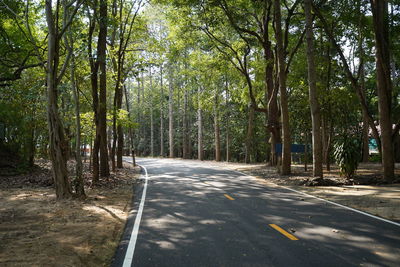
(102,42)
(365,125)
(57,142)
(216,127)
(161,113)
(384,84)
(171,113)
(286,154)
(313,94)
(79,182)
(94,67)
(185,150)
(131,133)
(227,121)
(250,136)
(151,115)
(200,147)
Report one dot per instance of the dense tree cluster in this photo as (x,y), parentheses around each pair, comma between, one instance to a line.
(224,80)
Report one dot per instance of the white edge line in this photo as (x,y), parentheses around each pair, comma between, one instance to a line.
(331,202)
(132,241)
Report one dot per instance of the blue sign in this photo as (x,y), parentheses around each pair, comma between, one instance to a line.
(294,148)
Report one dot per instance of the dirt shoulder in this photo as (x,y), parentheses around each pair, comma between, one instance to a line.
(37,230)
(380,200)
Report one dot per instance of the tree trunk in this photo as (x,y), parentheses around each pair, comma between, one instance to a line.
(384,84)
(271,98)
(250,136)
(171,114)
(185,150)
(365,125)
(161,113)
(131,133)
(94,66)
(216,128)
(314,103)
(227,121)
(58,145)
(151,115)
(326,141)
(102,42)
(119,131)
(200,147)
(286,154)
(79,183)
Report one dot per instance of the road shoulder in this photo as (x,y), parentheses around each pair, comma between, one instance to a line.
(378,200)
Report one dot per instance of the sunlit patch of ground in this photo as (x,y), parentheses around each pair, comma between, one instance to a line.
(37,230)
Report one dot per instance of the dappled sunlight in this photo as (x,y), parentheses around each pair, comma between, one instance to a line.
(186,208)
(36,230)
(106,211)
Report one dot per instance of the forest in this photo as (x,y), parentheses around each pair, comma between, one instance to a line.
(223,80)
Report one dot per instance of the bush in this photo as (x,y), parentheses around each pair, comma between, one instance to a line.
(347,153)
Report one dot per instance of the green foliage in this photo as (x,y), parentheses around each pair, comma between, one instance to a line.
(347,155)
(124,120)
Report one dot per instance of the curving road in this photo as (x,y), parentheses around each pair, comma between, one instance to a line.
(196,214)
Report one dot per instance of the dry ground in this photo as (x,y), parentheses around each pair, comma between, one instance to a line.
(37,230)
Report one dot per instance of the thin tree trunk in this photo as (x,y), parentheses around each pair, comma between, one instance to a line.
(227,121)
(365,130)
(200,147)
(216,127)
(171,114)
(250,136)
(314,103)
(286,154)
(138,118)
(79,183)
(185,126)
(151,115)
(94,66)
(305,151)
(161,113)
(131,133)
(102,42)
(365,125)
(384,84)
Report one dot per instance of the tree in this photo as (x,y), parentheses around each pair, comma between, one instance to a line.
(102,108)
(314,103)
(286,155)
(171,112)
(69,42)
(58,145)
(384,83)
(200,147)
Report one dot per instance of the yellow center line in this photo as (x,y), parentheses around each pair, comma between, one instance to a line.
(280,230)
(229,197)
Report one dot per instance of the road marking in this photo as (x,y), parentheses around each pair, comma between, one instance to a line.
(229,197)
(283,232)
(132,241)
(328,201)
(343,206)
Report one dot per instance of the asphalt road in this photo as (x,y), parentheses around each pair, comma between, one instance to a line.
(198,215)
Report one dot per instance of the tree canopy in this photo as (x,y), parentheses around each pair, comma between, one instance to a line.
(217,80)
